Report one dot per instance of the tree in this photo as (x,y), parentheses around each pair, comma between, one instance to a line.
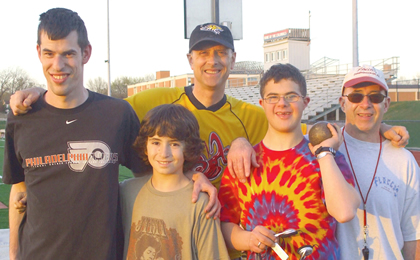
(148,77)
(98,85)
(119,85)
(13,79)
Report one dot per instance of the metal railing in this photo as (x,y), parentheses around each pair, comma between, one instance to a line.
(326,66)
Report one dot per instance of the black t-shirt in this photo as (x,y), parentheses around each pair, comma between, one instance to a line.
(69,160)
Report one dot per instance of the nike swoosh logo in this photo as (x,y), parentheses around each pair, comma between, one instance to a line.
(69,122)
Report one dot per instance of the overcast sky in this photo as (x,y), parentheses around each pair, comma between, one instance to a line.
(148,36)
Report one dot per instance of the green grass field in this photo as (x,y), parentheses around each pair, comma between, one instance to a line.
(397,115)
(407,114)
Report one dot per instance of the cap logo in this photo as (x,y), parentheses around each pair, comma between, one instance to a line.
(367,70)
(212,28)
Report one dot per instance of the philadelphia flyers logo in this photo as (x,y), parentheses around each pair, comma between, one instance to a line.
(96,154)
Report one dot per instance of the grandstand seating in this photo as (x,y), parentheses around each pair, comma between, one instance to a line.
(324,93)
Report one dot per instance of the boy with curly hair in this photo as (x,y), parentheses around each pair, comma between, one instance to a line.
(158,207)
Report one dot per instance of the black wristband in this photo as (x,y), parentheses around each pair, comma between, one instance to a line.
(325,149)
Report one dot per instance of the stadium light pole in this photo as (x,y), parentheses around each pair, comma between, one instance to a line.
(215,11)
(109,60)
(355,36)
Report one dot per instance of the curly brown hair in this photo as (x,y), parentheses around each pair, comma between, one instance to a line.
(174,121)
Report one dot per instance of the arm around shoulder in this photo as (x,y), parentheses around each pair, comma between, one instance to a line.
(398,135)
(21,101)
(241,159)
(15,218)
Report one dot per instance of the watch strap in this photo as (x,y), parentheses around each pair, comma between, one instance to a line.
(325,149)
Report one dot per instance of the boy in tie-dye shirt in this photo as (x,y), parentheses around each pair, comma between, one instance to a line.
(296,186)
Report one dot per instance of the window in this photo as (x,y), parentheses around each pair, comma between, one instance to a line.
(285,54)
(272,56)
(267,58)
(279,55)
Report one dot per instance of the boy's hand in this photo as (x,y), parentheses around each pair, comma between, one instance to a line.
(241,158)
(335,141)
(398,135)
(20,202)
(201,183)
(260,239)
(21,101)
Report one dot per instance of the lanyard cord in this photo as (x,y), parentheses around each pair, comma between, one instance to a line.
(355,178)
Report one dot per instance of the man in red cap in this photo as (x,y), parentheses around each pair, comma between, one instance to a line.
(387,225)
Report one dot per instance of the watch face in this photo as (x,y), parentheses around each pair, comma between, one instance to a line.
(321,154)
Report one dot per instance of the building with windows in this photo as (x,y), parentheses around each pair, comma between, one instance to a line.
(287,46)
(245,73)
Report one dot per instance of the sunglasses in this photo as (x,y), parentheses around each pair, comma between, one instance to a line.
(358,97)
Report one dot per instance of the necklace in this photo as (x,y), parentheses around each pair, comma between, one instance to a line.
(365,249)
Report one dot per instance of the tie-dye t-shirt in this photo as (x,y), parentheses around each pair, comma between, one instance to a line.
(285,192)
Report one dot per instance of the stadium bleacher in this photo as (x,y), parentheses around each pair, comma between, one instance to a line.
(323,91)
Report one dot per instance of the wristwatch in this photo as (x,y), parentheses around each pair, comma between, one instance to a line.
(322,151)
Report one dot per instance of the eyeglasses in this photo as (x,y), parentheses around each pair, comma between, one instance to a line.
(358,97)
(290,98)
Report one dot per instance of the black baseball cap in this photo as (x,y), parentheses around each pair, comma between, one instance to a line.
(211,32)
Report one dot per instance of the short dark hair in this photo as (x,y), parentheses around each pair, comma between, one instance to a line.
(174,121)
(279,71)
(58,23)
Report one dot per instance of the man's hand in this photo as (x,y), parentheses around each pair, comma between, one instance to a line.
(21,101)
(398,135)
(201,183)
(20,202)
(241,158)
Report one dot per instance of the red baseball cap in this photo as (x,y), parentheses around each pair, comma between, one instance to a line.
(365,73)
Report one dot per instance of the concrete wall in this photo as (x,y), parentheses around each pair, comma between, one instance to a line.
(297,53)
